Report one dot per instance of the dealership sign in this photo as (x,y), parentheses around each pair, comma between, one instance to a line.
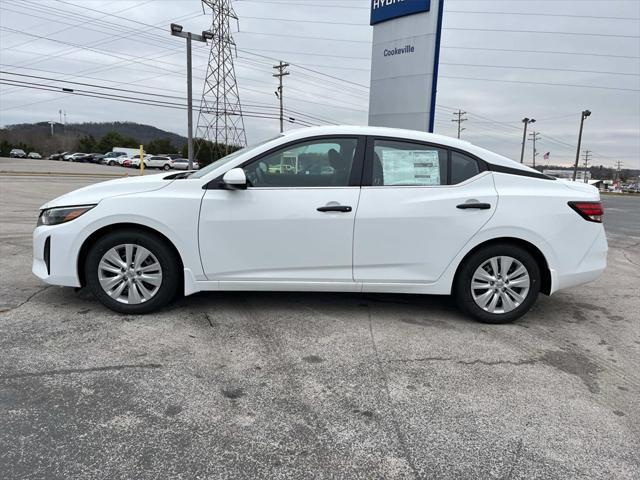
(383,10)
(404,62)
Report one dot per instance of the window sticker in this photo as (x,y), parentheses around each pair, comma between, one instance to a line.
(411,167)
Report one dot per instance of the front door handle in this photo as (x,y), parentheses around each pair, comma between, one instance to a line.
(479,206)
(334,208)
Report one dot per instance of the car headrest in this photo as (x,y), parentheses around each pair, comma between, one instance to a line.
(335,159)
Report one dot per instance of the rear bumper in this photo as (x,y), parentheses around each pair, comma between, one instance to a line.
(589,269)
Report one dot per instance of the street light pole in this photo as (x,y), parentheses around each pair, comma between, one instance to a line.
(526,122)
(585,114)
(189,105)
(176,31)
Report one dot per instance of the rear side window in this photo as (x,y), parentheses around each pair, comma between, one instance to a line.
(463,167)
(397,163)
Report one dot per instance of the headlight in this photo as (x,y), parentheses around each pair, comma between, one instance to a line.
(55,216)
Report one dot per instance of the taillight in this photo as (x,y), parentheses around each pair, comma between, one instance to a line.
(591,211)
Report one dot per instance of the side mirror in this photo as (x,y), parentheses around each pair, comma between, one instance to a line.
(235,179)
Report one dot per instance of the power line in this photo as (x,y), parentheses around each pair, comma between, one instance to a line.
(543,83)
(349,57)
(540,68)
(153,103)
(301,4)
(542,32)
(546,52)
(305,37)
(308,69)
(542,15)
(70,25)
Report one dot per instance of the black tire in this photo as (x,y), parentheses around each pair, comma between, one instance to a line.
(171,277)
(462,287)
(166,166)
(112,163)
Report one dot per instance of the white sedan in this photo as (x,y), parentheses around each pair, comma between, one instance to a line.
(342,209)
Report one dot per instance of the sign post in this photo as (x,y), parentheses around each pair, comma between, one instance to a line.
(141,160)
(404,63)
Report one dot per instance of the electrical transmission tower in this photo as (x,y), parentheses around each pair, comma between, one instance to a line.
(587,157)
(220,118)
(619,169)
(459,120)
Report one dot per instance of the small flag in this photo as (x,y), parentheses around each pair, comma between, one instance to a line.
(546,155)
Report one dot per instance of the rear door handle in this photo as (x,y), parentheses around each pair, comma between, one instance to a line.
(334,208)
(479,206)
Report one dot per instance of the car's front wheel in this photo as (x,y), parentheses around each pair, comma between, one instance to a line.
(498,283)
(132,272)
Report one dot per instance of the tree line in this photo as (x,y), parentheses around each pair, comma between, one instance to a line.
(205,151)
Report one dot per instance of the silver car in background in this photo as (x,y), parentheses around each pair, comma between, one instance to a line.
(183,164)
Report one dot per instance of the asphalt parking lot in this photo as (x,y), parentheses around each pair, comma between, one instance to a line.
(302,385)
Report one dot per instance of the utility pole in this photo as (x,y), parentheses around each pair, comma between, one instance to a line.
(176,31)
(459,120)
(534,137)
(60,113)
(281,73)
(526,122)
(587,157)
(51,123)
(585,114)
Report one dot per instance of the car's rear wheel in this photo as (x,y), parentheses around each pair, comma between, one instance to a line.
(132,272)
(166,166)
(498,283)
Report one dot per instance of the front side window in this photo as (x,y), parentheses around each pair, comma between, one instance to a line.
(322,162)
(397,163)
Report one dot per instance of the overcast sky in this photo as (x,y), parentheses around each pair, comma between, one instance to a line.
(126,44)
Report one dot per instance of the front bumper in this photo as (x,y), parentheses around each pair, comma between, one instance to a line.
(60,266)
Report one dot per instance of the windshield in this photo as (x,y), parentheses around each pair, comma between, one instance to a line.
(221,161)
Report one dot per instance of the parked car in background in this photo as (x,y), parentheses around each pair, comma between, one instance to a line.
(157,161)
(172,156)
(96,157)
(17,153)
(67,156)
(34,155)
(111,158)
(183,164)
(58,156)
(364,209)
(129,152)
(134,161)
(80,157)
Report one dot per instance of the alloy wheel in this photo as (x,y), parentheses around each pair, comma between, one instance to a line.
(500,284)
(130,274)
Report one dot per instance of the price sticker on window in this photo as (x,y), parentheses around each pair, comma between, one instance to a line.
(411,167)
